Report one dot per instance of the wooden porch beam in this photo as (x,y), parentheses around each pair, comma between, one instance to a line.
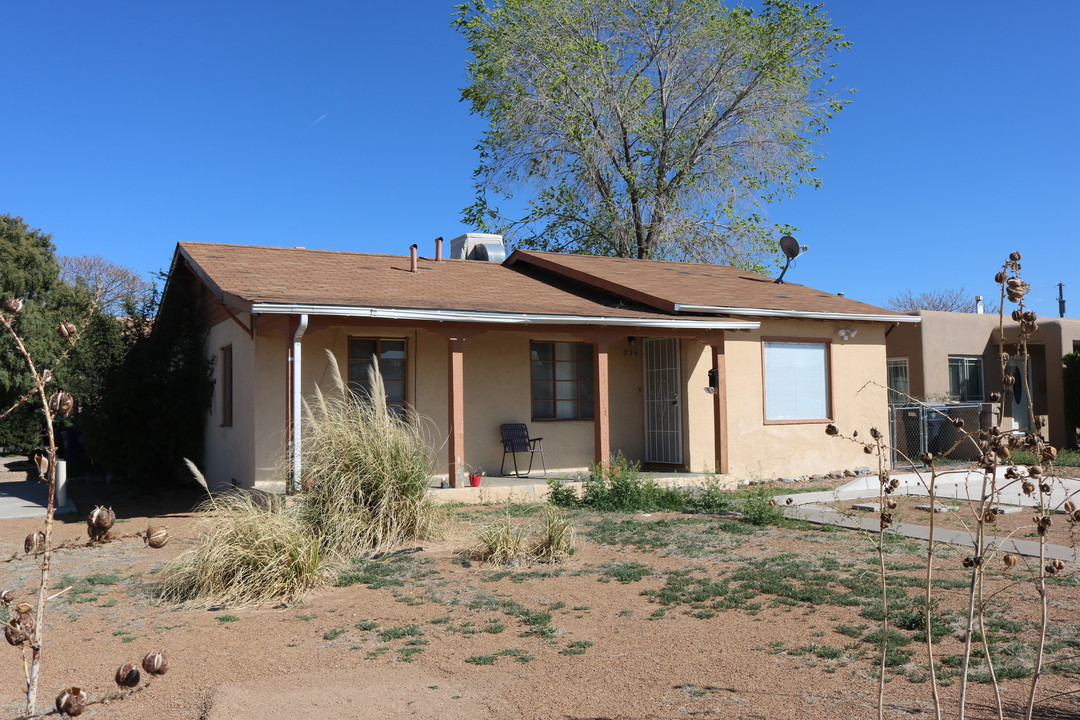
(455,405)
(720,426)
(601,412)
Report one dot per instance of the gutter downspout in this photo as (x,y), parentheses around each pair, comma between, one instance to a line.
(301,328)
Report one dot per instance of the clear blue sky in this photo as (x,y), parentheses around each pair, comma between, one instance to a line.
(129,126)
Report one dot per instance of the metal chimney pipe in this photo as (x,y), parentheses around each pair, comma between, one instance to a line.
(438,249)
(979,308)
(412,258)
(1061,300)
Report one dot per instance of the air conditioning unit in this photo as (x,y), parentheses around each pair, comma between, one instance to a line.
(478,246)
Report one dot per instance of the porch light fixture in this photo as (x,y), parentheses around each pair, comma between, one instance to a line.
(847,333)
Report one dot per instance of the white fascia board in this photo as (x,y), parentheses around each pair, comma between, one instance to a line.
(803,314)
(498,318)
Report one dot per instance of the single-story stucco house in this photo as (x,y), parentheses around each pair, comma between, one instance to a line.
(676,365)
(955,357)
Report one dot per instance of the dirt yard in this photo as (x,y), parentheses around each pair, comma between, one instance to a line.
(658,616)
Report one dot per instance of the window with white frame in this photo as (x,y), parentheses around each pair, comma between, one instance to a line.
(965,378)
(796,380)
(897,379)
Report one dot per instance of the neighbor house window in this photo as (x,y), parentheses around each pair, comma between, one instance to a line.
(965,378)
(226,386)
(897,379)
(390,354)
(796,380)
(562,381)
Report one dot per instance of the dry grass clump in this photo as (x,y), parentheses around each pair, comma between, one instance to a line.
(365,472)
(507,543)
(250,552)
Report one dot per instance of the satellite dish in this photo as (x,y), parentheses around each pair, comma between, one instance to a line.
(790,246)
(791,249)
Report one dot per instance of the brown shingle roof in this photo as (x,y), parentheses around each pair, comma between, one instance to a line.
(296,276)
(528,282)
(664,285)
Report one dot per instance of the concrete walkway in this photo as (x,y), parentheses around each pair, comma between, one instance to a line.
(21,497)
(963,485)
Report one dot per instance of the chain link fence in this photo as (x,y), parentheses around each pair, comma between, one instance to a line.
(918,428)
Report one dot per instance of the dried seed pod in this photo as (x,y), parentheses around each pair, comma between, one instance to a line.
(7,597)
(1028,487)
(1017,315)
(830,429)
(868,449)
(1009,560)
(772,502)
(1058,564)
(789,501)
(1045,488)
(127,676)
(891,503)
(1010,473)
(34,543)
(42,463)
(71,701)
(156,536)
(13,306)
(875,433)
(1000,277)
(1070,506)
(154,663)
(995,397)
(101,517)
(886,520)
(1035,471)
(1008,381)
(1015,256)
(61,403)
(969,562)
(958,423)
(1075,517)
(25,617)
(926,458)
(990,515)
(1048,453)
(894,483)
(66,329)
(854,433)
(14,633)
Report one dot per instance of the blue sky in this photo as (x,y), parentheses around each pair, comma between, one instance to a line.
(337,125)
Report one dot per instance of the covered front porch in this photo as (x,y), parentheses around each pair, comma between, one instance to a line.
(655,393)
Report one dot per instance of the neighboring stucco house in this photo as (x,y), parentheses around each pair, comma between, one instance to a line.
(954,357)
(599,355)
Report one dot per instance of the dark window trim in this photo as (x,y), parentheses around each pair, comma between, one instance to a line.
(403,405)
(554,378)
(226,355)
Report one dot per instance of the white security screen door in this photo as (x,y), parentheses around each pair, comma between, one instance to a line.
(1017,395)
(663,406)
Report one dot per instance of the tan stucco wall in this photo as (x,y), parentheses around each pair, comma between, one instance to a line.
(941,334)
(858,402)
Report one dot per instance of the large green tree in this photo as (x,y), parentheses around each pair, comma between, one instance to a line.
(646,128)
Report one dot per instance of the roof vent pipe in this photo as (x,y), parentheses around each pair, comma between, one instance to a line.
(438,249)
(412,258)
(979,309)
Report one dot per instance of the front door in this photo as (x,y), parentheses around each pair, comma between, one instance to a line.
(1017,394)
(663,401)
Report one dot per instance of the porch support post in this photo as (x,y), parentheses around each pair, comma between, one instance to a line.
(720,428)
(455,406)
(601,416)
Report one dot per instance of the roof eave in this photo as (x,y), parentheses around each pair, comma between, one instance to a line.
(800,314)
(496,318)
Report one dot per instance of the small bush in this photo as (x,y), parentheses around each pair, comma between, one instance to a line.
(561,494)
(365,472)
(509,543)
(503,543)
(619,487)
(555,541)
(250,552)
(759,510)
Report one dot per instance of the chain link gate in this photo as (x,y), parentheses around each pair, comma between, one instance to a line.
(918,428)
